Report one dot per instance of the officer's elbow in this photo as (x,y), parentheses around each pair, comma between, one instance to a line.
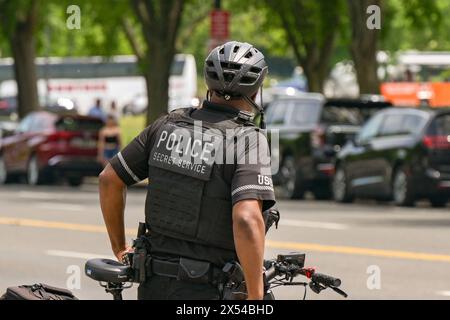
(247,222)
(248,219)
(108,178)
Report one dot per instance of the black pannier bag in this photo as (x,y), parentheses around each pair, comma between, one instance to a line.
(37,292)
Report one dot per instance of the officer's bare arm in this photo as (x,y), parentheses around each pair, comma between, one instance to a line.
(112,201)
(249,233)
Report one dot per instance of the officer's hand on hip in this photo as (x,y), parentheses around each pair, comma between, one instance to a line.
(120,254)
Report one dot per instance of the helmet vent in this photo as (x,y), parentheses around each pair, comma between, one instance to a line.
(210,63)
(255,69)
(213,75)
(236,48)
(222,50)
(230,65)
(228,76)
(249,55)
(248,80)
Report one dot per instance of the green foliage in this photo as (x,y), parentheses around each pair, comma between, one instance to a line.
(406,25)
(130,127)
(194,30)
(11,13)
(101,32)
(415,24)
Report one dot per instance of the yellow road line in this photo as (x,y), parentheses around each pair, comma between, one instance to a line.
(269,243)
(358,251)
(57,225)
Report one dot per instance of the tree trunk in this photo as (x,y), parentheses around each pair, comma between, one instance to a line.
(157,82)
(315,81)
(310,29)
(364,46)
(23,50)
(160,22)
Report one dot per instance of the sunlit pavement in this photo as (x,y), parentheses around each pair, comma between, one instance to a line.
(379,251)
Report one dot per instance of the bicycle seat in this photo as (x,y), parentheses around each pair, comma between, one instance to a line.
(107,270)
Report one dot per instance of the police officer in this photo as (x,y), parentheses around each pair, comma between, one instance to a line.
(208,185)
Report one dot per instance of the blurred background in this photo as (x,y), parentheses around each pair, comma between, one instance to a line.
(357,95)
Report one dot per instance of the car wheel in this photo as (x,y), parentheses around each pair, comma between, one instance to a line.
(340,187)
(75,181)
(401,189)
(291,185)
(34,174)
(438,201)
(3,172)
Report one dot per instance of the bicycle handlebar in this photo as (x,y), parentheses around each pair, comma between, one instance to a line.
(327,281)
(277,269)
(270,273)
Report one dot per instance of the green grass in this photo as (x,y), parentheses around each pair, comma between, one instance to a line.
(131,126)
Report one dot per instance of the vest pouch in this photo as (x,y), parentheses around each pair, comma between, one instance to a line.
(173,203)
(217,229)
(194,270)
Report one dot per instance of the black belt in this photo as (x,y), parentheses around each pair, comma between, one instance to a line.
(164,268)
(186,269)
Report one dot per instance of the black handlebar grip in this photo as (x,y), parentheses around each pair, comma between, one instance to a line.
(325,280)
(270,273)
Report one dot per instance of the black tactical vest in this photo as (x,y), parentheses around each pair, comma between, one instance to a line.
(188,198)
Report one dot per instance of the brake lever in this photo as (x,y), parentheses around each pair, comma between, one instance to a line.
(316,287)
(339,291)
(291,283)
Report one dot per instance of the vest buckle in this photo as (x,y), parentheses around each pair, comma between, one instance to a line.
(246,116)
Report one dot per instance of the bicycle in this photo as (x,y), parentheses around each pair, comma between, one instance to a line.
(115,277)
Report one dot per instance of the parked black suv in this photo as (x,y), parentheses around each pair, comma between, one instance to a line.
(402,154)
(312,130)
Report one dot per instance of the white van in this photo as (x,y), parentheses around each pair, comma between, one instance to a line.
(110,81)
(182,87)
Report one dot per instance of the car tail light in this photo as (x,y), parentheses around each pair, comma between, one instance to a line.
(326,168)
(436,142)
(318,137)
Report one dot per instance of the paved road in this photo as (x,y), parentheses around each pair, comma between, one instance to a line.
(48,232)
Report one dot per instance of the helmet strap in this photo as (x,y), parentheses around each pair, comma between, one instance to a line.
(259,108)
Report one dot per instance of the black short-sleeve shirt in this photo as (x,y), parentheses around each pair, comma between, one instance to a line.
(249,177)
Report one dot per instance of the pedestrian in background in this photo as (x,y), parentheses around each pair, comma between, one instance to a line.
(97,111)
(114,111)
(109,141)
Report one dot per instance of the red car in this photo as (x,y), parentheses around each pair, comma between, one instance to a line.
(46,146)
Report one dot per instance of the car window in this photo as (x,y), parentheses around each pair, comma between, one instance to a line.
(78,124)
(370,129)
(412,124)
(25,124)
(441,125)
(305,112)
(39,123)
(177,67)
(392,125)
(401,124)
(276,113)
(342,115)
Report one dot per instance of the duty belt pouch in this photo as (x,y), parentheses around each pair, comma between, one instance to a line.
(194,271)
(139,262)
